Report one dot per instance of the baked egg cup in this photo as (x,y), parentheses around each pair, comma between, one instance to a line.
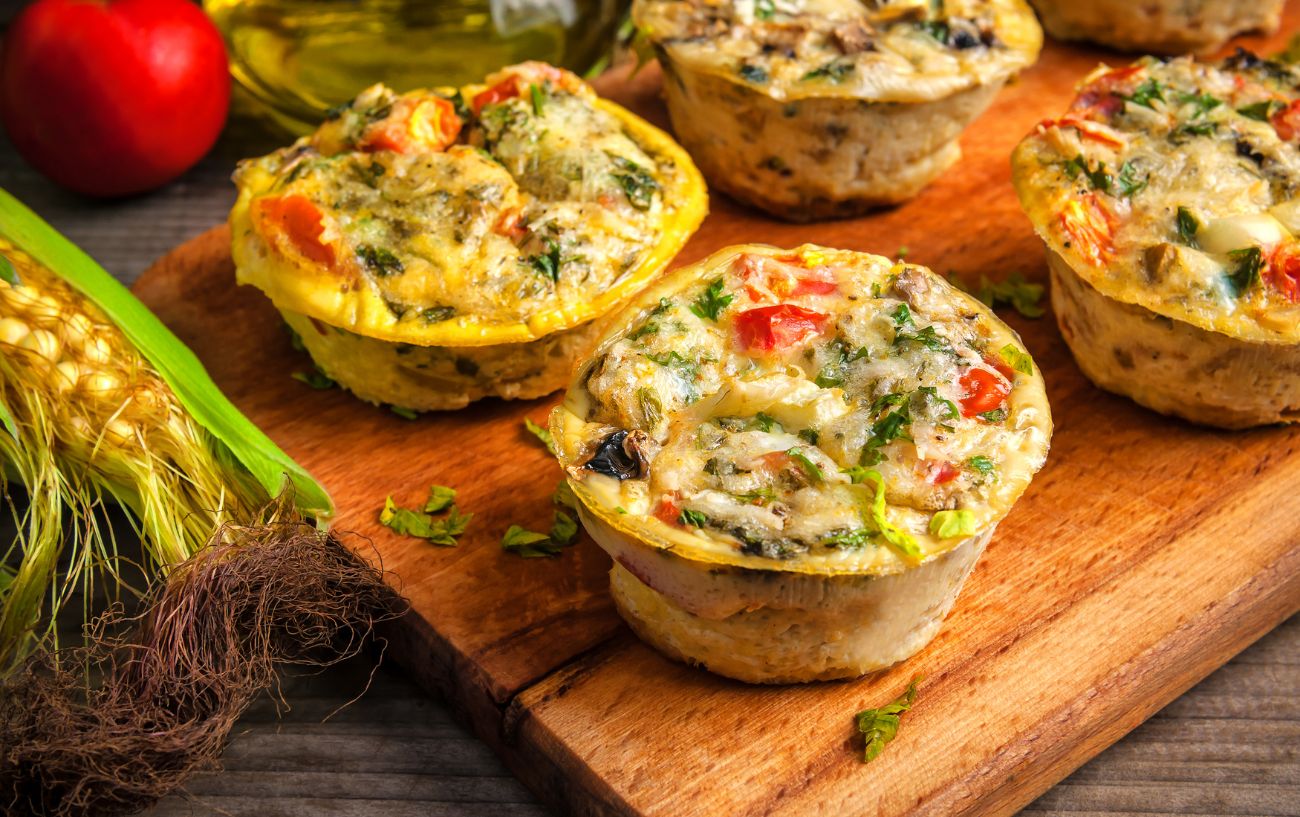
(1168,197)
(795,457)
(815,109)
(1167,27)
(437,247)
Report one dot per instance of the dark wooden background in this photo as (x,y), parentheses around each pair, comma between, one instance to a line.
(1230,746)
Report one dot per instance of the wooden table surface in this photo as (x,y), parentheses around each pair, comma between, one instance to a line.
(1230,746)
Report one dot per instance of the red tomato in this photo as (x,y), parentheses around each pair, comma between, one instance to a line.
(668,512)
(505,89)
(428,125)
(770,278)
(779,327)
(983,390)
(113,97)
(1090,227)
(1287,122)
(299,221)
(1284,271)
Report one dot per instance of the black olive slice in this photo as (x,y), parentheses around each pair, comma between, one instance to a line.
(618,456)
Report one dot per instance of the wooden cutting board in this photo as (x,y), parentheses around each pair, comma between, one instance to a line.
(1144,555)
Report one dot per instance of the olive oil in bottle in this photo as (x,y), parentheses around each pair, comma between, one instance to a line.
(298,58)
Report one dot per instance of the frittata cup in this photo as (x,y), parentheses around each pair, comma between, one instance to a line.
(1163,197)
(437,247)
(811,114)
(795,457)
(1158,26)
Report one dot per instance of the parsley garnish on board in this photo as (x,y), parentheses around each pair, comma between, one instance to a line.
(712,301)
(1247,264)
(404,412)
(542,433)
(1023,296)
(422,524)
(880,726)
(315,378)
(532,545)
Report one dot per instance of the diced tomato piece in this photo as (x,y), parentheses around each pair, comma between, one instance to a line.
(510,224)
(668,511)
(784,277)
(982,391)
(777,328)
(1090,227)
(299,221)
(414,126)
(1284,271)
(1002,368)
(1088,129)
(941,473)
(1287,122)
(508,88)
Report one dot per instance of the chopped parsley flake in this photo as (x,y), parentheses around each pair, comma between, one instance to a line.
(712,301)
(693,519)
(1187,227)
(1247,264)
(547,264)
(424,526)
(542,433)
(980,464)
(532,545)
(880,726)
(315,378)
(380,261)
(1260,111)
(1148,92)
(440,499)
(834,71)
(1098,178)
(637,183)
(753,73)
(809,467)
(538,98)
(927,337)
(1128,184)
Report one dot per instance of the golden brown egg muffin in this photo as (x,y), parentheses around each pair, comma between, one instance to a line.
(436,247)
(812,109)
(1169,200)
(1158,26)
(795,457)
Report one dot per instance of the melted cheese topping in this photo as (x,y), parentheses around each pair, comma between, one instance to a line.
(1175,186)
(519,202)
(889,50)
(761,399)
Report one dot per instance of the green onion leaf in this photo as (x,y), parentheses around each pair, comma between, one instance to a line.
(951,524)
(1016,359)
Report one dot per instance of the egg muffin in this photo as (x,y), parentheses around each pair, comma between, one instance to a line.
(795,457)
(813,109)
(1158,26)
(436,247)
(1169,200)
